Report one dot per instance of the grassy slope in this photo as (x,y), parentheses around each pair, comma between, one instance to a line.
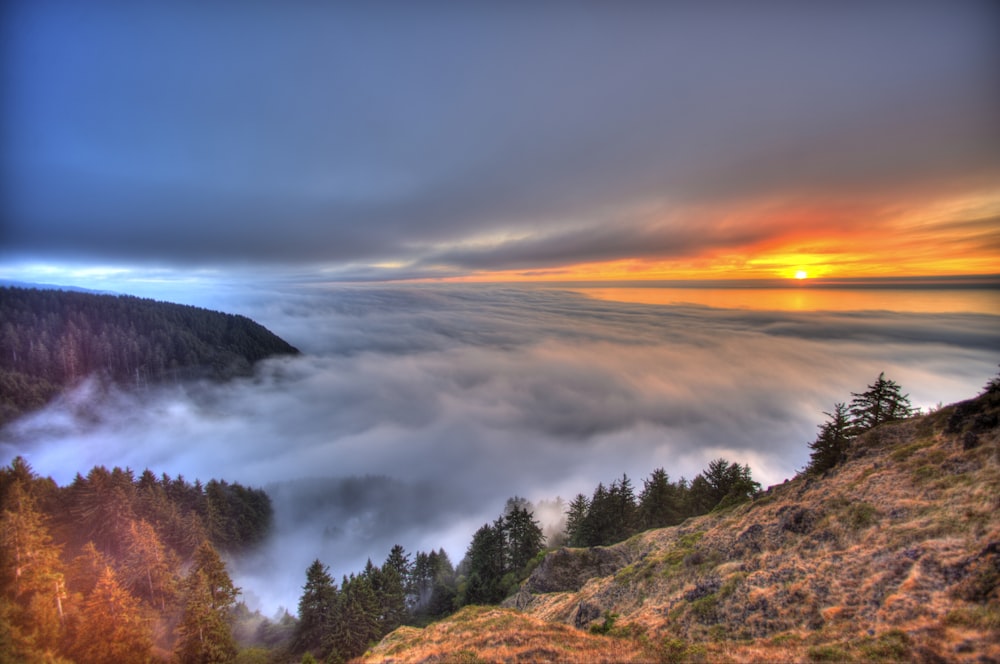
(893,556)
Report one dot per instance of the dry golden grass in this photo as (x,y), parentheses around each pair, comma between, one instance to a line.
(490,634)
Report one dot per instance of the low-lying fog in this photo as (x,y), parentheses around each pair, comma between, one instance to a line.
(414,412)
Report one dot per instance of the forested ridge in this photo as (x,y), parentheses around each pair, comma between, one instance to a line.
(50,339)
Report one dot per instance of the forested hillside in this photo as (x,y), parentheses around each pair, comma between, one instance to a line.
(115,568)
(50,339)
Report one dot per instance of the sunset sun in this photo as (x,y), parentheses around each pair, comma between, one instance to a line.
(801,274)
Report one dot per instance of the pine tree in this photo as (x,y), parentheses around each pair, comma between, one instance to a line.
(147,568)
(317,607)
(487,559)
(830,446)
(576,521)
(30,567)
(524,538)
(111,627)
(391,592)
(205,635)
(658,502)
(882,402)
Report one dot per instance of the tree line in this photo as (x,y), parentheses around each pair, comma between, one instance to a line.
(50,339)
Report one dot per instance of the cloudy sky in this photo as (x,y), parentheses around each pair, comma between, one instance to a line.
(502,140)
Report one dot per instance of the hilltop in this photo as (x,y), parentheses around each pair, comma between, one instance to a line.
(892,555)
(52,339)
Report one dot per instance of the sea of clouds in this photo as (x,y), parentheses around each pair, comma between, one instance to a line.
(414,412)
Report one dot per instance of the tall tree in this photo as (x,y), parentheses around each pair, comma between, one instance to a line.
(883,401)
(658,503)
(576,521)
(487,560)
(524,538)
(147,568)
(830,446)
(205,633)
(111,627)
(317,610)
(30,567)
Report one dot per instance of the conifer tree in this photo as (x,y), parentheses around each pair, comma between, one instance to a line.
(576,521)
(882,402)
(523,536)
(317,609)
(111,627)
(830,445)
(30,567)
(658,502)
(205,635)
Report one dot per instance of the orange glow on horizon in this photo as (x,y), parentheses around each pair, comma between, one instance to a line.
(926,238)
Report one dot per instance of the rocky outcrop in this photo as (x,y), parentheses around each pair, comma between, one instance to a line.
(568,569)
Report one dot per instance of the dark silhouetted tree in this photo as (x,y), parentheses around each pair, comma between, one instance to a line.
(883,401)
(830,446)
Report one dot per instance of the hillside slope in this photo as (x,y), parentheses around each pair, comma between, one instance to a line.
(892,556)
(50,339)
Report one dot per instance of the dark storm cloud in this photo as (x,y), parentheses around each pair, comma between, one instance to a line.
(184,132)
(456,398)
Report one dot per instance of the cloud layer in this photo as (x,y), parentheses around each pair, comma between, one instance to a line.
(455,398)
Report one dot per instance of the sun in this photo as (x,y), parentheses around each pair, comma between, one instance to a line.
(801,274)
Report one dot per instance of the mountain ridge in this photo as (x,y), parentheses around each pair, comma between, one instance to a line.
(50,340)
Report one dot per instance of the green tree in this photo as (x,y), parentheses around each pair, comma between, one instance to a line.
(317,610)
(524,538)
(357,622)
(205,633)
(487,564)
(882,402)
(391,588)
(830,446)
(659,504)
(576,521)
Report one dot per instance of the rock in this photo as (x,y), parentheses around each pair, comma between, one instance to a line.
(796,519)
(585,614)
(568,569)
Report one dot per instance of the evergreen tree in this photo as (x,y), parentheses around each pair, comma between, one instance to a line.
(357,622)
(487,560)
(830,446)
(658,502)
(147,570)
(392,588)
(111,627)
(30,567)
(205,633)
(317,610)
(524,538)
(882,402)
(576,521)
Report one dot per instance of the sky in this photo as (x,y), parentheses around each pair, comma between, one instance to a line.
(500,141)
(344,174)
